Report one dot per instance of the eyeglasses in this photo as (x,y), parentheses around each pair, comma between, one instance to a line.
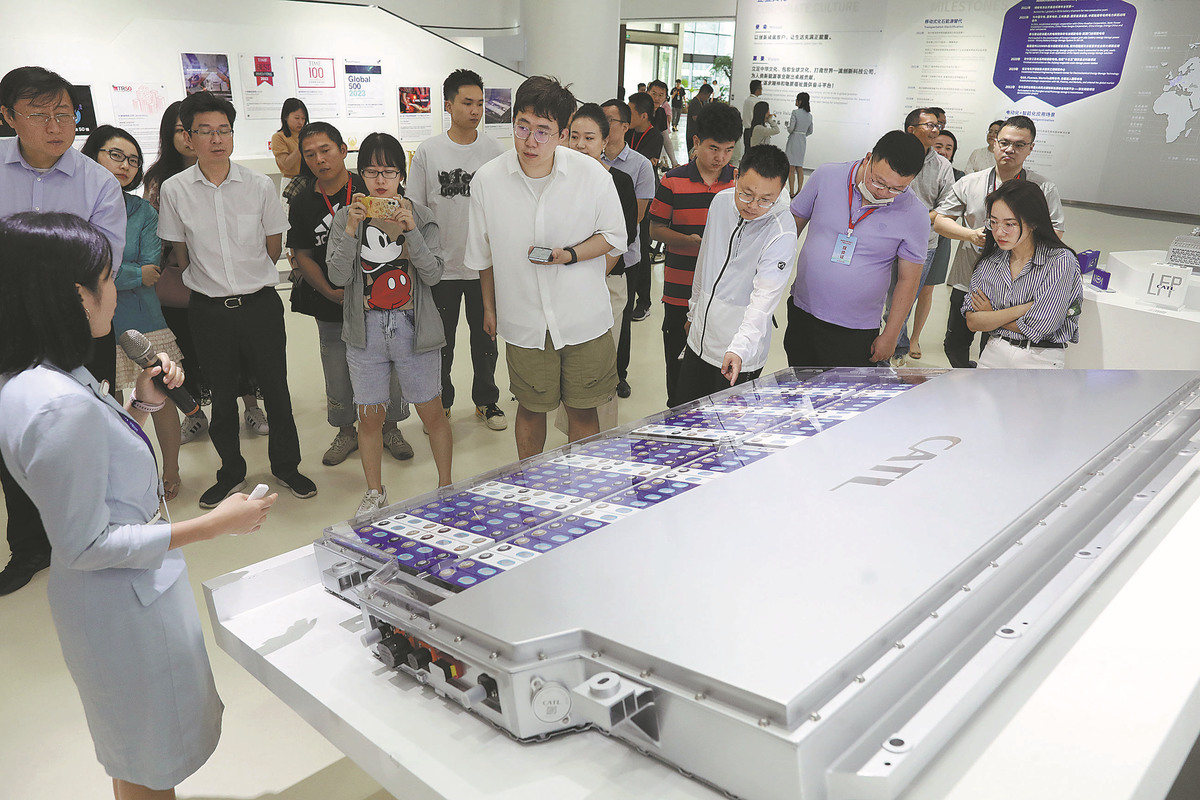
(371,173)
(42,120)
(1007,227)
(1016,147)
(209,133)
(120,158)
(883,187)
(761,202)
(521,132)
(933,126)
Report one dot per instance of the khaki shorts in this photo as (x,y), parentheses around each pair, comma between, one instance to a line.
(577,375)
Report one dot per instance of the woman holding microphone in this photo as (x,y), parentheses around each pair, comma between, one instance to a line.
(118,589)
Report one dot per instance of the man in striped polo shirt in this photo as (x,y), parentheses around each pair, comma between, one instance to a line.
(677,218)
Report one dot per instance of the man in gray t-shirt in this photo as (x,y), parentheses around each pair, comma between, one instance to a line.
(440,179)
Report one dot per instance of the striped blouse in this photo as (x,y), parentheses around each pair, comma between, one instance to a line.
(1050,280)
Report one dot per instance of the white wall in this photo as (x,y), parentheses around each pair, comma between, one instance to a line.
(136,41)
(678,9)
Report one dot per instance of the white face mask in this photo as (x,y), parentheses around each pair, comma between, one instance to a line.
(870,199)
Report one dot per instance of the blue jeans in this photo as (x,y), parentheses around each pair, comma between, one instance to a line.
(902,344)
(339,393)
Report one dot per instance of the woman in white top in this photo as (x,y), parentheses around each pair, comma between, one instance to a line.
(800,127)
(763,126)
(120,598)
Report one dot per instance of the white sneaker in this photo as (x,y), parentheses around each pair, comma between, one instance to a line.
(372,501)
(192,427)
(898,361)
(256,421)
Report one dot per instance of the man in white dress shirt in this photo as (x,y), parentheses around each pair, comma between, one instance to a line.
(545,227)
(227,225)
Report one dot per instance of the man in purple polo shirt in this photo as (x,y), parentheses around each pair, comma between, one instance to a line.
(861,218)
(40,171)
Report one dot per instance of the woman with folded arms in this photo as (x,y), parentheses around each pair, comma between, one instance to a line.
(1026,288)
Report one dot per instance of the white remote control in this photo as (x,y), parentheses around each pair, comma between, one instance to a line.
(260,491)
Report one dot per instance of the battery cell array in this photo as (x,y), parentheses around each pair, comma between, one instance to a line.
(514,516)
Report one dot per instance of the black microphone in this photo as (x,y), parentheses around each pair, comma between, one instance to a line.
(138,348)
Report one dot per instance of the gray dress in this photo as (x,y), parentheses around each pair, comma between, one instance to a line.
(799,127)
(121,602)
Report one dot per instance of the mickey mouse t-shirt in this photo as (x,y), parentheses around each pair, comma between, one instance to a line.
(383,258)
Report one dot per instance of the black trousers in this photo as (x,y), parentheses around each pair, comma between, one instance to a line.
(674,342)
(225,337)
(959,338)
(449,297)
(193,371)
(627,322)
(811,342)
(698,378)
(26,534)
(639,281)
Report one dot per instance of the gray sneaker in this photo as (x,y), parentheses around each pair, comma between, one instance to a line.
(372,501)
(343,445)
(256,421)
(192,427)
(397,445)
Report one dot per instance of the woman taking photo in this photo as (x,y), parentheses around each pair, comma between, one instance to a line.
(1026,289)
(763,125)
(137,303)
(799,127)
(118,590)
(386,256)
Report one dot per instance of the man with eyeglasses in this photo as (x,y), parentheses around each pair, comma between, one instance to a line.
(967,201)
(227,224)
(861,218)
(931,186)
(741,273)
(983,157)
(545,226)
(41,171)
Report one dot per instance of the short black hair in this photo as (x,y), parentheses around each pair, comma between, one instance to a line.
(953,138)
(902,151)
(622,109)
(316,129)
(642,103)
(382,149)
(99,137)
(545,97)
(42,257)
(914,117)
(290,105)
(1024,123)
(720,122)
(596,114)
(32,83)
(458,79)
(937,111)
(767,160)
(755,85)
(657,83)
(705,88)
(999,123)
(202,103)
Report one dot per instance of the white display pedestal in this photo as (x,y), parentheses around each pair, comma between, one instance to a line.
(1118,332)
(1108,708)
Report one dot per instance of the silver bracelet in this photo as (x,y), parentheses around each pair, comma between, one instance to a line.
(143,406)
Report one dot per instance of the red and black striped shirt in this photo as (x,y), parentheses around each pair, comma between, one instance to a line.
(681,203)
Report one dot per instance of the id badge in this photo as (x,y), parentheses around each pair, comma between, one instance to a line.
(843,249)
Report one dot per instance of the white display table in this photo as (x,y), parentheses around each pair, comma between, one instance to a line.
(1107,709)
(1118,332)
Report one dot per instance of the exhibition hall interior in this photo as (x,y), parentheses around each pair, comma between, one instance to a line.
(694,509)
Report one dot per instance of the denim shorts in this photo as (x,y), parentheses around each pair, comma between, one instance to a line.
(390,337)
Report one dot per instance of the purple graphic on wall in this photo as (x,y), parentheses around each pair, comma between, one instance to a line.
(1063,50)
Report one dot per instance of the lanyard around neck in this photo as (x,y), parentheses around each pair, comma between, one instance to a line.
(328,204)
(850,201)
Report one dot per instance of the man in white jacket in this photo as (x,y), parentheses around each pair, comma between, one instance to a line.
(742,272)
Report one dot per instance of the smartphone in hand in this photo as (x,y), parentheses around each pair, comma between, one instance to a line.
(541,255)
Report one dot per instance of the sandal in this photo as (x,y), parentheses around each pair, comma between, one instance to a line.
(171,488)
(914,350)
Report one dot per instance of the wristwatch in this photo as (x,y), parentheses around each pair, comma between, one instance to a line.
(574,257)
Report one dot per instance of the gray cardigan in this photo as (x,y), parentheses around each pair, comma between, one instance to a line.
(341,258)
